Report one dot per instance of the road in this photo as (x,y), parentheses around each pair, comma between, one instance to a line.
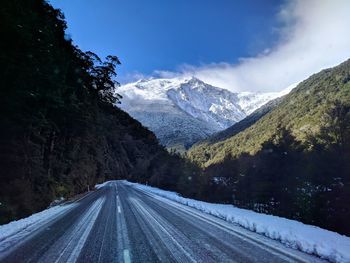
(118,223)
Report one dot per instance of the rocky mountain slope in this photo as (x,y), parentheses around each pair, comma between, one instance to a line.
(182,111)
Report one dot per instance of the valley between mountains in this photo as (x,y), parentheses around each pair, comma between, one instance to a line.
(163,169)
(282,153)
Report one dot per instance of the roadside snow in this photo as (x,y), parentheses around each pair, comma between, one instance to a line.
(15,231)
(98,186)
(307,238)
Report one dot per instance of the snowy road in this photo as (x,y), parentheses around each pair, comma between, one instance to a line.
(119,223)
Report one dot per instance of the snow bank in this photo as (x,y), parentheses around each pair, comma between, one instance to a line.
(14,231)
(307,238)
(98,186)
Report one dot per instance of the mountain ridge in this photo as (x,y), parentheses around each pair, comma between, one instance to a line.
(194,109)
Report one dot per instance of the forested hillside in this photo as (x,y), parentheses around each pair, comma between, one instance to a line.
(300,112)
(60,132)
(243,124)
(294,161)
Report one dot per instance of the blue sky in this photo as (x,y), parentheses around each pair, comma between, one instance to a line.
(239,45)
(165,34)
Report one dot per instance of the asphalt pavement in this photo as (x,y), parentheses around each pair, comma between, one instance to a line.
(118,223)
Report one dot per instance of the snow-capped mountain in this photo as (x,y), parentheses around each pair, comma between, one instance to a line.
(182,111)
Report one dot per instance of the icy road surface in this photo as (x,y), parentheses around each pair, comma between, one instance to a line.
(119,223)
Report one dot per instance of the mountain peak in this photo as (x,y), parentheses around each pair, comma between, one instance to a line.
(193,79)
(187,109)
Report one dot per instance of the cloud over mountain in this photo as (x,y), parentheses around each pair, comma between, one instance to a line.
(315,35)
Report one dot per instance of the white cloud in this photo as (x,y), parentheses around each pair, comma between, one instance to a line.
(315,35)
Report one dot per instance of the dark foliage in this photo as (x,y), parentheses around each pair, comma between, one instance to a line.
(307,182)
(60,132)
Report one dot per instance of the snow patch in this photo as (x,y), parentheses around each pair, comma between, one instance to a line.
(307,238)
(98,186)
(16,231)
